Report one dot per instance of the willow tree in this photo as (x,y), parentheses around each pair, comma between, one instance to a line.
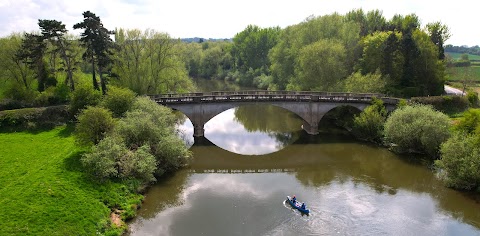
(148,62)
(14,70)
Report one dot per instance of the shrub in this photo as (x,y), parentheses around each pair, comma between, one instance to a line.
(448,104)
(110,159)
(417,128)
(160,114)
(118,100)
(83,97)
(472,98)
(369,124)
(460,162)
(153,125)
(93,125)
(470,121)
(37,116)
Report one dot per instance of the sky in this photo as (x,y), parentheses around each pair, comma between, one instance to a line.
(223,19)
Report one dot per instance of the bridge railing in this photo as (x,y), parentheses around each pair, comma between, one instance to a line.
(238,96)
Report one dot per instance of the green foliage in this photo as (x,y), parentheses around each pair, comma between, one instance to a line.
(150,63)
(83,97)
(417,128)
(110,159)
(320,66)
(153,125)
(447,104)
(251,47)
(470,122)
(326,44)
(460,162)
(472,98)
(34,117)
(369,83)
(94,123)
(118,100)
(369,124)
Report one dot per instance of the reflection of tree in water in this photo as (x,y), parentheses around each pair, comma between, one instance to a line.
(277,122)
(165,193)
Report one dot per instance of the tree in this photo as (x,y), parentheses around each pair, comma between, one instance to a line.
(320,66)
(96,39)
(252,46)
(369,83)
(13,68)
(369,124)
(94,123)
(438,33)
(54,32)
(148,62)
(460,162)
(31,53)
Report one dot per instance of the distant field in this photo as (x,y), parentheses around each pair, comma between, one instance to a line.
(457,56)
(452,73)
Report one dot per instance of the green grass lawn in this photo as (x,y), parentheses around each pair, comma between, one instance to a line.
(457,56)
(43,190)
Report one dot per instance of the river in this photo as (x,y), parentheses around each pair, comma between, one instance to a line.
(252,157)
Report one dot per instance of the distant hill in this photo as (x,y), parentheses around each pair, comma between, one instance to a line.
(200,40)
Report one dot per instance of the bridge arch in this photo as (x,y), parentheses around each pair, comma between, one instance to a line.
(310,106)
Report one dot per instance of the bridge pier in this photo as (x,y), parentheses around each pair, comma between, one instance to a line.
(198,130)
(310,129)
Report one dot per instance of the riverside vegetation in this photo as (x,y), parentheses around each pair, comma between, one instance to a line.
(89,181)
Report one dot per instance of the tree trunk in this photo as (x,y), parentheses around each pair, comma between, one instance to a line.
(102,81)
(94,78)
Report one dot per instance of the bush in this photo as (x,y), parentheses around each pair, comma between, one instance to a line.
(160,114)
(417,128)
(472,98)
(110,159)
(33,117)
(153,125)
(369,124)
(94,123)
(460,162)
(118,100)
(83,97)
(447,104)
(470,121)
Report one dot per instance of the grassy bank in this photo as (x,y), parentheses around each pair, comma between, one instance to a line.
(43,190)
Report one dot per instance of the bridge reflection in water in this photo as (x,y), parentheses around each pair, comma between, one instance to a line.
(310,106)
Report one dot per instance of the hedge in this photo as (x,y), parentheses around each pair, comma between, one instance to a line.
(34,116)
(447,104)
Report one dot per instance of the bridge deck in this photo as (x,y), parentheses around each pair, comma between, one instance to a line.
(262,95)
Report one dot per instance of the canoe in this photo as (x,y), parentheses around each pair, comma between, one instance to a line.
(297,205)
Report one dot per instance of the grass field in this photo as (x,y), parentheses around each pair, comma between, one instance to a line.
(457,56)
(43,190)
(454,73)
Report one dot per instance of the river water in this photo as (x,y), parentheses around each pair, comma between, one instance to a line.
(252,157)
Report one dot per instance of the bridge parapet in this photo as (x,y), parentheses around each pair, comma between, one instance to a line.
(249,96)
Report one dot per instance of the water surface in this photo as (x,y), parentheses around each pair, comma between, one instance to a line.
(253,157)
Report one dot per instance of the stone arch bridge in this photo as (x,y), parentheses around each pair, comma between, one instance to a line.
(310,106)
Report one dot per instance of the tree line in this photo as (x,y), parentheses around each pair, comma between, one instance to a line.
(332,53)
(355,52)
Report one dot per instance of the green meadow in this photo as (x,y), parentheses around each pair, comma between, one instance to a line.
(43,190)
(456,56)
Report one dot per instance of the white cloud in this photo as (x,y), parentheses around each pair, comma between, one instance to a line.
(220,19)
